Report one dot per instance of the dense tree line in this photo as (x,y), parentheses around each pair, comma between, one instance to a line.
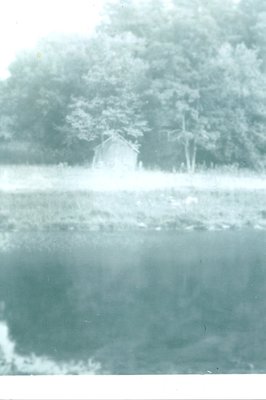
(185,80)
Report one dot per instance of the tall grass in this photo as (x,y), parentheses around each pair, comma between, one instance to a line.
(67,178)
(78,198)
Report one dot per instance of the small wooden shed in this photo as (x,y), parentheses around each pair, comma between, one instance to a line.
(116,152)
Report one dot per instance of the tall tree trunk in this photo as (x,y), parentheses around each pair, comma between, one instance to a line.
(186,144)
(187,154)
(193,156)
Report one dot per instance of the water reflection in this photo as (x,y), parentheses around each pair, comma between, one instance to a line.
(149,303)
(7,346)
(5,241)
(13,363)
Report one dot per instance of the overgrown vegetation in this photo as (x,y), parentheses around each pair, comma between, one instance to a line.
(185,80)
(65,198)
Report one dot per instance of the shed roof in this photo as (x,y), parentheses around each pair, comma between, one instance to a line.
(118,138)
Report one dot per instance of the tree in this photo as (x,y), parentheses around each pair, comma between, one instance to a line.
(40,87)
(252,26)
(185,80)
(6,118)
(179,40)
(239,105)
(110,103)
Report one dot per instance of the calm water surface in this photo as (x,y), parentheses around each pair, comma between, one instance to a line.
(139,303)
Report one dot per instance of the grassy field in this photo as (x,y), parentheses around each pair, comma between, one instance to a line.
(77,198)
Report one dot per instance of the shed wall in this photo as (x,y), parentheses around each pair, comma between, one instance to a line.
(115,155)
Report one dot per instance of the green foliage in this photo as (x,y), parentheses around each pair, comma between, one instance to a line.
(6,126)
(241,103)
(111,100)
(41,84)
(183,80)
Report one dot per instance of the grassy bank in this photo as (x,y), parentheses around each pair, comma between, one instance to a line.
(62,198)
(62,178)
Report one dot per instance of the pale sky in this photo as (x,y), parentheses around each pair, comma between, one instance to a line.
(24,22)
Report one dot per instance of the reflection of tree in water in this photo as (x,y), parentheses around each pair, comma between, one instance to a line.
(6,345)
(13,363)
(42,311)
(140,304)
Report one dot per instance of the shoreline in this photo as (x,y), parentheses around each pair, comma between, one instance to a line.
(166,210)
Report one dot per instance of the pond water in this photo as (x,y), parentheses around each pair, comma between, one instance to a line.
(135,303)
